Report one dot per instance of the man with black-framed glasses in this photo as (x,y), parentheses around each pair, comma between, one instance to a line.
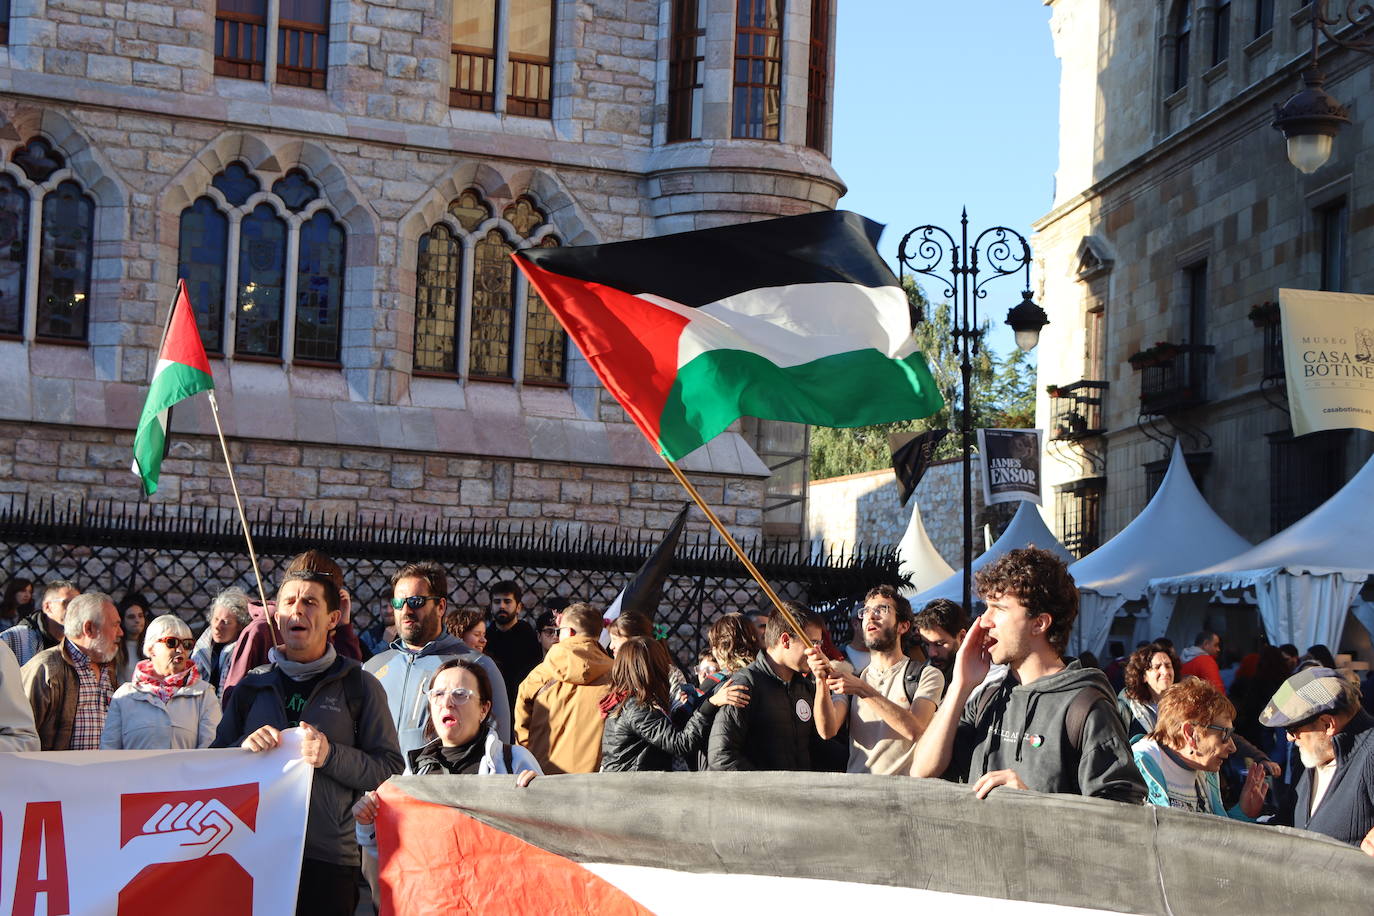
(1321,712)
(419,598)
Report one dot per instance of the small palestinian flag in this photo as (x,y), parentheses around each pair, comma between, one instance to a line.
(182,370)
(794,319)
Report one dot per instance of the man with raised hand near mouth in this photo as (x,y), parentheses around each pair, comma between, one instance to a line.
(1050,725)
(419,599)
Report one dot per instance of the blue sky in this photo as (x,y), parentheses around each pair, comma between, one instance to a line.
(942,105)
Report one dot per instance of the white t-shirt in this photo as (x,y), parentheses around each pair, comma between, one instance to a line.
(875,746)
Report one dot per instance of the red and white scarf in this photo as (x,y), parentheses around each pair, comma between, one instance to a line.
(149,681)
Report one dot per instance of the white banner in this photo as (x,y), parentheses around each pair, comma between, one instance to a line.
(1011,465)
(1328,357)
(141,832)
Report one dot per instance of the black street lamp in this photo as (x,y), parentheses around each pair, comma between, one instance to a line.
(1310,120)
(1006,252)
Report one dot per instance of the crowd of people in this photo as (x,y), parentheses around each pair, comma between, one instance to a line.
(992,702)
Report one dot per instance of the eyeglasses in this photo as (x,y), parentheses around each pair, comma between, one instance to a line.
(173,642)
(1226,731)
(414,602)
(875,613)
(459,695)
(548,631)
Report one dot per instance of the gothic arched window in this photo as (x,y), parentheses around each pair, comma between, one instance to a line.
(475,315)
(235,252)
(41,203)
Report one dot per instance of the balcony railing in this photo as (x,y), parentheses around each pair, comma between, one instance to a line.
(239,45)
(1076,410)
(1080,502)
(531,87)
(1175,380)
(302,54)
(472,80)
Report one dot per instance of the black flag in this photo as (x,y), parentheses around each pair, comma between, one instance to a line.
(911,459)
(645,590)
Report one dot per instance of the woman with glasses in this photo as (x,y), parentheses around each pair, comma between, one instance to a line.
(1182,755)
(166,705)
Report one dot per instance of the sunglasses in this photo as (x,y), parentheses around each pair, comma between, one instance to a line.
(1226,732)
(414,602)
(459,695)
(173,643)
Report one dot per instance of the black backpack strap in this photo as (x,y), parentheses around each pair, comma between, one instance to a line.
(508,757)
(911,681)
(353,695)
(1077,717)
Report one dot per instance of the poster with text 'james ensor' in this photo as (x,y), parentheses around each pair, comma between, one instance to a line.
(1328,358)
(1011,464)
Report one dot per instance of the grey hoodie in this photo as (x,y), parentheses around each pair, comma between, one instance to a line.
(1022,728)
(405,677)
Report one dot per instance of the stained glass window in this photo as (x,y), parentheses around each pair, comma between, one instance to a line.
(202,252)
(546,343)
(64,265)
(493,307)
(14,247)
(437,289)
(319,289)
(261,282)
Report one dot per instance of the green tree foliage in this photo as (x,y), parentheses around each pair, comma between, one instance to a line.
(1003,396)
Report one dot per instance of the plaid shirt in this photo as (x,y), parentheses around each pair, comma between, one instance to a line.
(92,700)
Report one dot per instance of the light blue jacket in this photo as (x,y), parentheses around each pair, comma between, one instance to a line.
(406,675)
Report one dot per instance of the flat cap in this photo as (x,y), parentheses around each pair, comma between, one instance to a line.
(1305,695)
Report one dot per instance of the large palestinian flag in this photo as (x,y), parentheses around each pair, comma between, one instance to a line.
(181,371)
(792,319)
(609,844)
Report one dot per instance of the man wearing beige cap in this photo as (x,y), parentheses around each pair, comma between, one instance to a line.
(1320,710)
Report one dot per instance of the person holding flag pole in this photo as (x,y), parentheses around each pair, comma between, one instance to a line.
(183,371)
(795,319)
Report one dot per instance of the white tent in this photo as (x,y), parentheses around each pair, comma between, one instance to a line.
(918,557)
(1176,532)
(1305,578)
(1027,528)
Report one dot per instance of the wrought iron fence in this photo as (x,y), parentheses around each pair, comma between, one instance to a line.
(179,558)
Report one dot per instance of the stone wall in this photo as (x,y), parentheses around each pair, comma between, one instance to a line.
(862,510)
(70,463)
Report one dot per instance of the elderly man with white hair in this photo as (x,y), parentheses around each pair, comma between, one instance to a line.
(214,651)
(166,705)
(69,686)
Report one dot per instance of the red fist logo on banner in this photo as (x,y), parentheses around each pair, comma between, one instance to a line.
(178,834)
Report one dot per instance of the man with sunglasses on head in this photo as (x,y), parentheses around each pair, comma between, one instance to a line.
(419,598)
(1321,712)
(346,734)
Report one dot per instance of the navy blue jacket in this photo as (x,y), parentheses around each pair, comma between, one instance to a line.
(1347,809)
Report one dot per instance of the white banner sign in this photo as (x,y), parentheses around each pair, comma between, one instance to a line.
(1328,357)
(140,832)
(1011,465)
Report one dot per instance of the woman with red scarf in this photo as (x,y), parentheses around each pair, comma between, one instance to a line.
(166,705)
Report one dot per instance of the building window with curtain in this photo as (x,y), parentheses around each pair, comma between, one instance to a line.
(1333,221)
(818,75)
(526,73)
(475,315)
(529,73)
(301,40)
(1181,26)
(686,60)
(472,74)
(61,223)
(234,250)
(758,69)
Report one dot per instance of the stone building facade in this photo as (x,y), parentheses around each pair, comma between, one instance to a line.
(362,189)
(1176,219)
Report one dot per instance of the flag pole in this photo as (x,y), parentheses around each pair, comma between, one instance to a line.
(739,552)
(243,519)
